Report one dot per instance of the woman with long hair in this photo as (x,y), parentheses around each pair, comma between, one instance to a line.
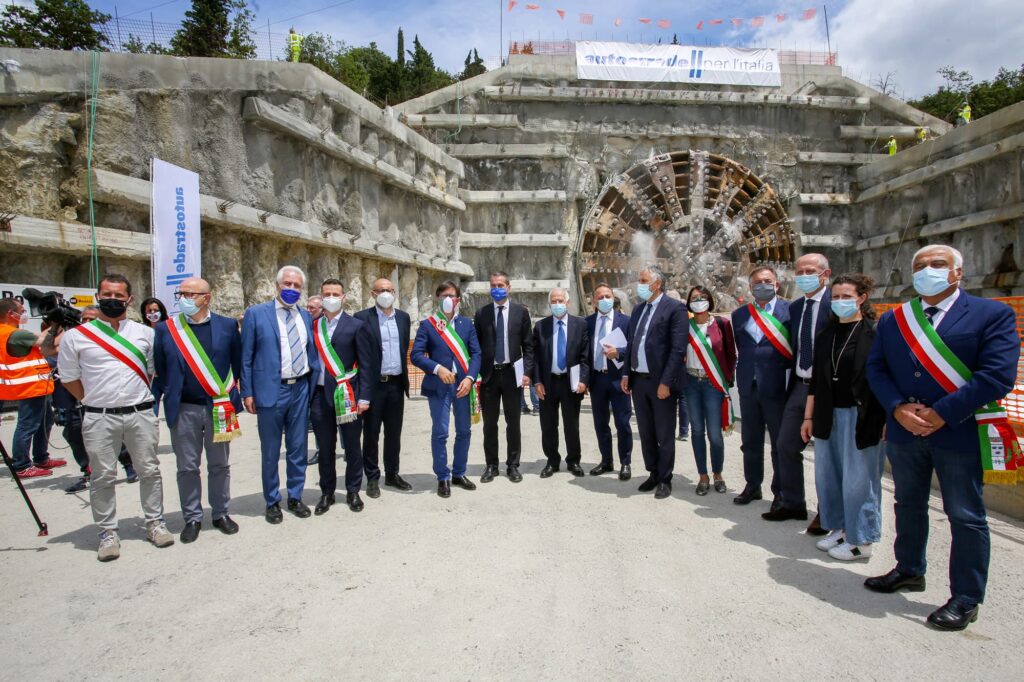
(153,312)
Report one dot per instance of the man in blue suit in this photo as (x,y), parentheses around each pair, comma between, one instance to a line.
(656,340)
(606,394)
(279,371)
(763,359)
(447,350)
(808,315)
(197,357)
(933,428)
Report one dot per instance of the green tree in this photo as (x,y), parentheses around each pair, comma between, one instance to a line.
(401,48)
(384,83)
(216,28)
(423,75)
(474,66)
(240,40)
(985,97)
(335,59)
(54,25)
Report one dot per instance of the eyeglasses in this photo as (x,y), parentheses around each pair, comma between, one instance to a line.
(178,295)
(383,291)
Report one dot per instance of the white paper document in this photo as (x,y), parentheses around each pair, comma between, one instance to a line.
(614,339)
(574,377)
(518,366)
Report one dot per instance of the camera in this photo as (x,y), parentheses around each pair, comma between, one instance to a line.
(52,308)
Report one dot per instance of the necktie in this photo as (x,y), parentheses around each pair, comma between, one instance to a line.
(499,328)
(294,343)
(807,334)
(599,358)
(930,312)
(638,335)
(560,353)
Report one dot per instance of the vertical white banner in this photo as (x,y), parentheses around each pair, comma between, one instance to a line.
(174,221)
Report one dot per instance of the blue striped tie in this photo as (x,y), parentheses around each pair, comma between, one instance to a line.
(294,343)
(599,360)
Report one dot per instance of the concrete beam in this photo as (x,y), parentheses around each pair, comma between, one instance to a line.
(879,132)
(134,193)
(833,240)
(550,126)
(525,93)
(76,238)
(520,286)
(941,227)
(484,150)
(484,240)
(462,120)
(528,196)
(823,199)
(275,118)
(837,158)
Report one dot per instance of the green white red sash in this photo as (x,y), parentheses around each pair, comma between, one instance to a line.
(1001,458)
(706,356)
(225,419)
(774,330)
(446,329)
(346,408)
(104,336)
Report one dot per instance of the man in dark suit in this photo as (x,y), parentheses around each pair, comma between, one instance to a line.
(503,329)
(561,370)
(764,357)
(386,386)
(341,395)
(656,342)
(279,370)
(935,395)
(197,355)
(606,394)
(808,315)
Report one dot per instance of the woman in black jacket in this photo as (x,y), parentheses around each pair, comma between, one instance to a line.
(847,423)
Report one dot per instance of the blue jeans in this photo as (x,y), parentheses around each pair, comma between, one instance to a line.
(35,420)
(705,404)
(959,475)
(289,416)
(849,481)
(534,399)
(684,419)
(441,408)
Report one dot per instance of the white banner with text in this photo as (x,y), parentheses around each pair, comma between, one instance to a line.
(676,64)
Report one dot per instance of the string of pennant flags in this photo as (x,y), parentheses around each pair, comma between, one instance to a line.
(587,18)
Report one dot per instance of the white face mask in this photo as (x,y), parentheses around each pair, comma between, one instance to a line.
(385,300)
(154,316)
(331,304)
(699,306)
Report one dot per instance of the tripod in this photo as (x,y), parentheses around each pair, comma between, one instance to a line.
(43,530)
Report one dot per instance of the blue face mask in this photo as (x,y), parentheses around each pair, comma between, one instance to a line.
(558,309)
(188,306)
(844,308)
(931,281)
(605,305)
(808,283)
(290,296)
(643,291)
(499,294)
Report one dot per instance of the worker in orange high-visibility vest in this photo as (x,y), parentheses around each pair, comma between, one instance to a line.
(25,379)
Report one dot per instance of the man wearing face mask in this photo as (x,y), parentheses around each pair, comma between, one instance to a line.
(808,316)
(315,306)
(561,370)
(657,337)
(107,364)
(606,396)
(280,368)
(198,354)
(503,329)
(938,366)
(764,356)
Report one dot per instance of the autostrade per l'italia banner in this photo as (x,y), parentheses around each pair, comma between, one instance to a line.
(676,64)
(174,217)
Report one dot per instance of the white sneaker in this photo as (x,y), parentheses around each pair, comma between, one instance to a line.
(110,546)
(157,533)
(848,552)
(834,537)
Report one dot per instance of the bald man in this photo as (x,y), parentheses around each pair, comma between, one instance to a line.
(198,357)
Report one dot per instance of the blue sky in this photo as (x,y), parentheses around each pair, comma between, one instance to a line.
(909,38)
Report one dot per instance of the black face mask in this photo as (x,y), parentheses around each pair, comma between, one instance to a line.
(112,307)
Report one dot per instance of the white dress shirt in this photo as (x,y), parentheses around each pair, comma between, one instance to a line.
(286,351)
(107,381)
(508,351)
(806,373)
(692,361)
(390,344)
(641,351)
(598,348)
(751,325)
(564,320)
(944,305)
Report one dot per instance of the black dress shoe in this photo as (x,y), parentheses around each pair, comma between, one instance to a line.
(324,504)
(191,531)
(749,494)
(814,527)
(601,469)
(625,473)
(463,483)
(893,581)
(664,490)
(274,514)
(396,481)
(777,505)
(299,508)
(225,525)
(355,503)
(955,615)
(648,485)
(490,471)
(548,471)
(785,514)
(444,489)
(575,469)
(373,488)
(513,474)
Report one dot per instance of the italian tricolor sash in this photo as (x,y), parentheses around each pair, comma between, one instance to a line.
(104,336)
(774,330)
(1001,458)
(225,419)
(702,349)
(446,329)
(345,406)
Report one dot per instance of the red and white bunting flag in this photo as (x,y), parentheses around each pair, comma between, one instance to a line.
(664,23)
(717,22)
(700,25)
(644,21)
(586,18)
(561,14)
(736,22)
(511,4)
(757,22)
(618,21)
(779,18)
(533,7)
(808,14)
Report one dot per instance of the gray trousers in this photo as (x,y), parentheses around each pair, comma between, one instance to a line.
(189,436)
(791,449)
(103,435)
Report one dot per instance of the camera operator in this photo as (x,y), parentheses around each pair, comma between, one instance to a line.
(25,378)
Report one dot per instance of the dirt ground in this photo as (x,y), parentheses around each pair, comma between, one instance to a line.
(558,579)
